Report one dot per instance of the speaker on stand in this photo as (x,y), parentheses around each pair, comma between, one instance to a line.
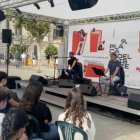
(2,16)
(59,31)
(7,38)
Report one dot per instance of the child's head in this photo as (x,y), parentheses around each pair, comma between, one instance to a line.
(3,97)
(3,78)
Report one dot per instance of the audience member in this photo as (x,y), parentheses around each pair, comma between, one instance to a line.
(11,97)
(31,104)
(76,113)
(3,102)
(13,125)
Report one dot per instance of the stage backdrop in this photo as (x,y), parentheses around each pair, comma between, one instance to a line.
(93,47)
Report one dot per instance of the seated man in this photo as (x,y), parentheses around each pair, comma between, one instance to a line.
(113,69)
(11,97)
(72,66)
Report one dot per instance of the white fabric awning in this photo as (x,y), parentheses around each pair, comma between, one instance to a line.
(103,7)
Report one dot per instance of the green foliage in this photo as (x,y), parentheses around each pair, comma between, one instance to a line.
(51,50)
(15,48)
(18,48)
(38,29)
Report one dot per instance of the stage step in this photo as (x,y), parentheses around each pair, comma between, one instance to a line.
(52,99)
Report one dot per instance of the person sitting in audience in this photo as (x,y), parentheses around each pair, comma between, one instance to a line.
(76,113)
(11,96)
(3,102)
(31,104)
(13,125)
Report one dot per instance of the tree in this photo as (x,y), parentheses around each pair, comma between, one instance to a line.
(18,48)
(51,50)
(37,29)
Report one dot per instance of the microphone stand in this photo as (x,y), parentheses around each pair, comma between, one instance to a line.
(7,60)
(54,70)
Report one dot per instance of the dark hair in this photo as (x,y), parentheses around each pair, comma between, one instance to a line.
(12,122)
(3,75)
(3,94)
(31,95)
(71,53)
(114,54)
(83,33)
(75,109)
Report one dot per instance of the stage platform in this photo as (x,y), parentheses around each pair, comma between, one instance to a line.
(57,96)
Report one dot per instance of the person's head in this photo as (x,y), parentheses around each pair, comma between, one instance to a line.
(31,95)
(113,56)
(71,54)
(13,125)
(75,109)
(3,97)
(93,30)
(104,42)
(3,78)
(82,32)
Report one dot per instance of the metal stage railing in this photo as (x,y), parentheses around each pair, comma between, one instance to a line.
(5,4)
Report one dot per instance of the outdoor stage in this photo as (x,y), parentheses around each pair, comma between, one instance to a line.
(57,96)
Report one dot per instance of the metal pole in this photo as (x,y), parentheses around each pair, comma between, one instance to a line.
(7,60)
(8,46)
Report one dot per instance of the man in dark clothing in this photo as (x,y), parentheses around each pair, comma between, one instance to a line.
(72,65)
(113,69)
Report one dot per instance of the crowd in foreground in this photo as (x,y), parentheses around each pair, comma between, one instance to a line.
(14,113)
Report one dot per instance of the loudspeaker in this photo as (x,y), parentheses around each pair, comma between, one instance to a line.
(81,4)
(66,83)
(134,101)
(59,31)
(86,81)
(88,89)
(39,79)
(2,16)
(11,84)
(6,36)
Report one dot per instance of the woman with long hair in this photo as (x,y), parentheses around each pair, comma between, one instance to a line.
(13,125)
(81,43)
(76,113)
(31,104)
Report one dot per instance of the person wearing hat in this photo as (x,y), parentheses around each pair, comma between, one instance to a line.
(113,69)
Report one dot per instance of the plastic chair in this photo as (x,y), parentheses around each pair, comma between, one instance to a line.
(68,131)
(33,129)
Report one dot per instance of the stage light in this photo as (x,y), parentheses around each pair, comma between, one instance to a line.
(2,16)
(51,3)
(18,11)
(81,4)
(37,5)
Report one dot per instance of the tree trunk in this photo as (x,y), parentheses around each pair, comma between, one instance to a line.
(39,56)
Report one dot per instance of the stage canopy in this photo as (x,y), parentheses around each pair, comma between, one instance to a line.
(103,7)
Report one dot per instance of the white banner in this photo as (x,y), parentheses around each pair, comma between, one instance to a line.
(93,46)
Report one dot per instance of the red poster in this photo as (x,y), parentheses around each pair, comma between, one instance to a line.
(78,43)
(95,40)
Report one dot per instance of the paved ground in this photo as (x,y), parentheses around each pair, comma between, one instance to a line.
(107,128)
(25,72)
